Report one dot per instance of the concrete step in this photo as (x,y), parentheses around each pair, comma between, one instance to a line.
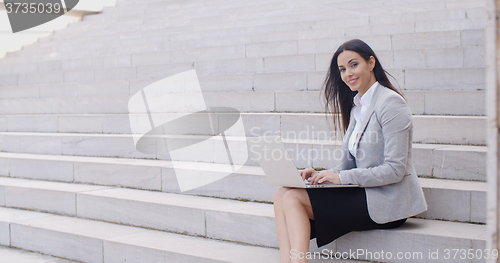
(428,102)
(422,246)
(468,130)
(430,161)
(431,129)
(439,58)
(397,62)
(297,78)
(24,256)
(459,68)
(436,160)
(296,42)
(97,242)
(453,200)
(45,91)
(150,174)
(392,60)
(113,96)
(407,41)
(107,242)
(113,204)
(122,81)
(468,205)
(72,105)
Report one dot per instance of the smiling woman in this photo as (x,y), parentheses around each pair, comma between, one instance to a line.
(339,93)
(377,156)
(355,71)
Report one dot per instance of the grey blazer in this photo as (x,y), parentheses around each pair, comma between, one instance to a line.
(384,164)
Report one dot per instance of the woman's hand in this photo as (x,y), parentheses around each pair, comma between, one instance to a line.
(306,173)
(325,176)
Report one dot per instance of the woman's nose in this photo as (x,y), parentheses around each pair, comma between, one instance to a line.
(348,72)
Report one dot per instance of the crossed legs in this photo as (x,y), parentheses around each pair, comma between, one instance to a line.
(293,210)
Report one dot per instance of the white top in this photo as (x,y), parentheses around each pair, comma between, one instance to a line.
(361,103)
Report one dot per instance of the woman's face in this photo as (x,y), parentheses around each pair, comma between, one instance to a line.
(355,71)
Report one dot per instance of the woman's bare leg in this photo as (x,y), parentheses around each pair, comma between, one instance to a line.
(298,210)
(281,227)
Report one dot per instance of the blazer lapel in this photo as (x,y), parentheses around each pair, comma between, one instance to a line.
(350,128)
(369,112)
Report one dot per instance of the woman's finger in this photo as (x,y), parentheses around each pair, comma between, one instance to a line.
(310,178)
(322,180)
(317,177)
(314,177)
(306,173)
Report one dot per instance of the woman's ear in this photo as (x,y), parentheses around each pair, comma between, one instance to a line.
(371,62)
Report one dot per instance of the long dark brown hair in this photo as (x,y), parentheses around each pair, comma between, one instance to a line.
(338,96)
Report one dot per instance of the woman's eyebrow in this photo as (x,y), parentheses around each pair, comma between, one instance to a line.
(350,60)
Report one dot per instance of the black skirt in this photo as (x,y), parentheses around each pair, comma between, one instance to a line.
(338,211)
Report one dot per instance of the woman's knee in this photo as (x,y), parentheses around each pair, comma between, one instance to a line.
(293,198)
(278,195)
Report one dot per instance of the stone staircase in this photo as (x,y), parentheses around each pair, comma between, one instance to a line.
(74,186)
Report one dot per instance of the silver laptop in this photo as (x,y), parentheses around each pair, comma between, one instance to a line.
(277,164)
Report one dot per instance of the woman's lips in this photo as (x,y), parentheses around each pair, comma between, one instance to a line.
(352,81)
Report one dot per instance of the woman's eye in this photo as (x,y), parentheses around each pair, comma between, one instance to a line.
(354,64)
(342,69)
